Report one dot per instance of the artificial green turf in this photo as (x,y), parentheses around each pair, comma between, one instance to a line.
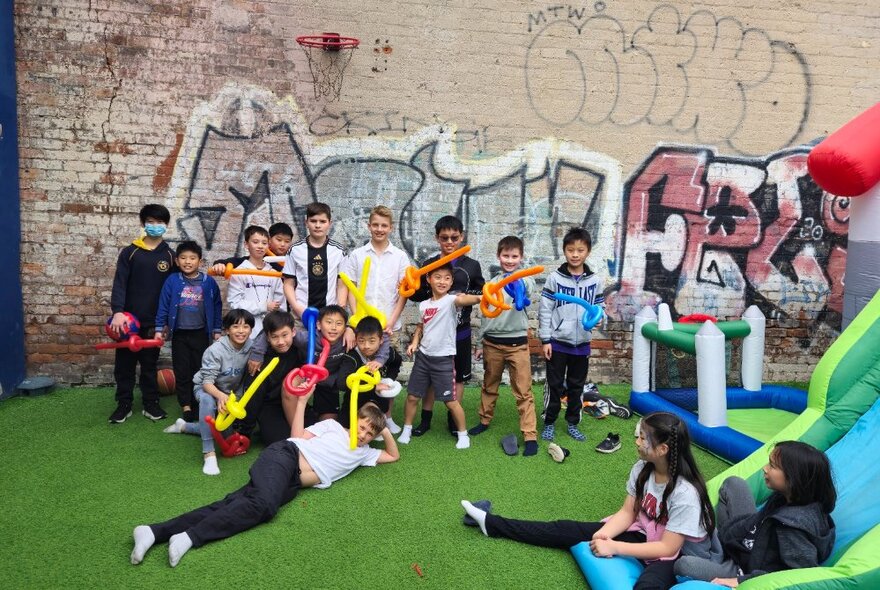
(74,487)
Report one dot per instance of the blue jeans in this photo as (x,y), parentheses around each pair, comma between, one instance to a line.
(207,407)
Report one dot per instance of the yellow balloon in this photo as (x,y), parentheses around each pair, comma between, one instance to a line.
(235,407)
(363,309)
(361,380)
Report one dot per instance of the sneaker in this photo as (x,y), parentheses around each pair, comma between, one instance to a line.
(421,429)
(154,412)
(616,409)
(597,409)
(190,416)
(120,414)
(557,453)
(610,444)
(549,432)
(576,434)
(590,392)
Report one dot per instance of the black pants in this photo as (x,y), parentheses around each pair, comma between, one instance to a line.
(125,370)
(566,375)
(275,481)
(187,348)
(563,534)
(265,410)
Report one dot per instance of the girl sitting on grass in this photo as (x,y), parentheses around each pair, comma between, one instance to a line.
(666,510)
(792,530)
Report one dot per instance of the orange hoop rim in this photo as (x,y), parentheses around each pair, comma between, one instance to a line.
(328,41)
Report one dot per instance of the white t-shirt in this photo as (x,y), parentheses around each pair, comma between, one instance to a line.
(252,292)
(386,271)
(329,452)
(683,509)
(439,319)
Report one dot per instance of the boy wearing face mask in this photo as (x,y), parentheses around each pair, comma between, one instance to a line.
(141,271)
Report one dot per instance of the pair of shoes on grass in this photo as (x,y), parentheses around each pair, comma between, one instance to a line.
(152,410)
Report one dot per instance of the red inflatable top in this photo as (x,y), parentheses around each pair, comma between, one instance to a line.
(847,162)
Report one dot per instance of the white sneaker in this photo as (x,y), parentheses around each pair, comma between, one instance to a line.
(176,428)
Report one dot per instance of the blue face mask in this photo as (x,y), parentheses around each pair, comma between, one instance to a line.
(155,230)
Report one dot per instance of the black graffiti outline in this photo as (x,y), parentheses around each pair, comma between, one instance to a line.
(692,126)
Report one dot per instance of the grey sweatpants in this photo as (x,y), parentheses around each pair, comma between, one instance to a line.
(734,500)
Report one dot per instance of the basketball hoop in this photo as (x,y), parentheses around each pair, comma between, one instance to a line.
(328,55)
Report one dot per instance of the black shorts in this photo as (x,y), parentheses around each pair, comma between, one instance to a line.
(463,360)
(325,400)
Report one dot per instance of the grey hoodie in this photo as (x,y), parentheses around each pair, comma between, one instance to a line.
(781,538)
(561,321)
(223,366)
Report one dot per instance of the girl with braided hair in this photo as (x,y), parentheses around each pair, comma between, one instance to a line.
(666,512)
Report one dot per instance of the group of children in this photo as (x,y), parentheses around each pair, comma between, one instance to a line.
(666,521)
(175,299)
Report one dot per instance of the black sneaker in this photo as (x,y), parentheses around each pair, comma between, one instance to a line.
(421,429)
(610,444)
(616,409)
(120,414)
(154,411)
(190,416)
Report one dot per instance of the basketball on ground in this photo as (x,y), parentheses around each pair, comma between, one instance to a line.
(165,377)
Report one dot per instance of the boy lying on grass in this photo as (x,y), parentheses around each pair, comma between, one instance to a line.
(314,457)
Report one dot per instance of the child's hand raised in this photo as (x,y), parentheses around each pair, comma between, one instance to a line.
(218,269)
(374,365)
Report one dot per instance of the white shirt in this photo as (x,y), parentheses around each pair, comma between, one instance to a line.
(253,293)
(683,508)
(386,271)
(329,452)
(439,319)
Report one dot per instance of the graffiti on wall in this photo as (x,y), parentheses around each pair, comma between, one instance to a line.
(248,157)
(701,231)
(583,67)
(713,234)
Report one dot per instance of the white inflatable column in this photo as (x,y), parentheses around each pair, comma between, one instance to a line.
(862,254)
(711,378)
(664,317)
(643,353)
(753,350)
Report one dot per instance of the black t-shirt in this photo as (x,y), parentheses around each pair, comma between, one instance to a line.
(317,261)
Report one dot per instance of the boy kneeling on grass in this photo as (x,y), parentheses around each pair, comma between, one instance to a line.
(314,457)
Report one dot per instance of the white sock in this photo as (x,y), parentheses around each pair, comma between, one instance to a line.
(406,435)
(210,467)
(476,514)
(179,544)
(464,441)
(143,540)
(392,426)
(176,428)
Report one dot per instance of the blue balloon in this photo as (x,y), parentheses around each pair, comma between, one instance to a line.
(517,292)
(310,319)
(593,314)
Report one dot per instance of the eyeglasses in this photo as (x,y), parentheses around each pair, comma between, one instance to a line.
(448,238)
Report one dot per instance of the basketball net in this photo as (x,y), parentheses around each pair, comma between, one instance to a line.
(327,68)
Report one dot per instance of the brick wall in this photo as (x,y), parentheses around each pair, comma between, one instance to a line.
(674,131)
